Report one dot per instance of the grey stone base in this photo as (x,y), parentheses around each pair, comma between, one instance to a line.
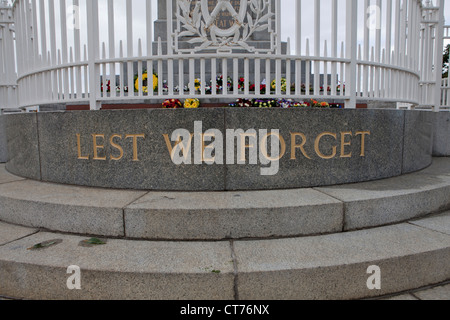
(3,141)
(224,215)
(441,144)
(45,147)
(324,267)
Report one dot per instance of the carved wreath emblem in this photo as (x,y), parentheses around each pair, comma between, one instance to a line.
(199,23)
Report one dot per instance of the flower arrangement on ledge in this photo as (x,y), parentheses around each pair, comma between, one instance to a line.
(221,84)
(254,103)
(145,82)
(280,103)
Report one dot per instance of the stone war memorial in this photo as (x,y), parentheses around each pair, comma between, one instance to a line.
(224,150)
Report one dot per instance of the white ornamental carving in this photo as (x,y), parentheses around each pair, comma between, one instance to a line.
(197,25)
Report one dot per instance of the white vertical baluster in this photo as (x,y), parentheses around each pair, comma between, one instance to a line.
(366,48)
(317,47)
(121,76)
(213,76)
(202,76)
(298,46)
(235,76)
(72,80)
(225,76)
(288,67)
(160,68)
(334,45)
(130,66)
(86,74)
(257,76)
(112,46)
(268,76)
(246,77)
(308,69)
(358,82)
(149,27)
(325,70)
(93,49)
(181,76)
(169,45)
(351,51)
(104,76)
(140,78)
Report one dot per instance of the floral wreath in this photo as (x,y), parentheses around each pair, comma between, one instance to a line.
(144,82)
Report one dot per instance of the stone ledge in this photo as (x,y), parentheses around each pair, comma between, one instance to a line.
(318,267)
(335,266)
(225,215)
(371,204)
(65,208)
(121,269)
(233,215)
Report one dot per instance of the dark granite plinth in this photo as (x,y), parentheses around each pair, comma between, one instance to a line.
(129,149)
(23,145)
(145,160)
(3,141)
(418,145)
(341,156)
(441,137)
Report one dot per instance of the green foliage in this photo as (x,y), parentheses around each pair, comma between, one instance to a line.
(446,62)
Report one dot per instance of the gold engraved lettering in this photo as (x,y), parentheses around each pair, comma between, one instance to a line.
(295,146)
(116,146)
(317,144)
(345,143)
(172,149)
(80,157)
(264,149)
(363,141)
(135,144)
(98,147)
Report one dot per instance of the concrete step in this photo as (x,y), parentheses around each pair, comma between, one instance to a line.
(183,216)
(409,255)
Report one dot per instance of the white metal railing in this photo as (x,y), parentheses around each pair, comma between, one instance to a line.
(91,65)
(445,94)
(8,76)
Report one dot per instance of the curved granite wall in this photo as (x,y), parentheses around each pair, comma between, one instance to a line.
(130,149)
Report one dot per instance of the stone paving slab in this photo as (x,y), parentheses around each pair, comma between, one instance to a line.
(402,297)
(226,215)
(440,222)
(231,215)
(335,266)
(120,269)
(10,232)
(6,177)
(375,203)
(319,267)
(65,208)
(437,293)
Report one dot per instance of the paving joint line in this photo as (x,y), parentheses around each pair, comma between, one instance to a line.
(17,239)
(235,271)
(427,228)
(123,212)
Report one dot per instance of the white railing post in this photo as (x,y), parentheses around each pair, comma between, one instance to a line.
(351,53)
(93,52)
(439,40)
(8,76)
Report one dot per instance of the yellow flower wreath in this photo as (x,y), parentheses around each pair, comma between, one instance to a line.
(144,78)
